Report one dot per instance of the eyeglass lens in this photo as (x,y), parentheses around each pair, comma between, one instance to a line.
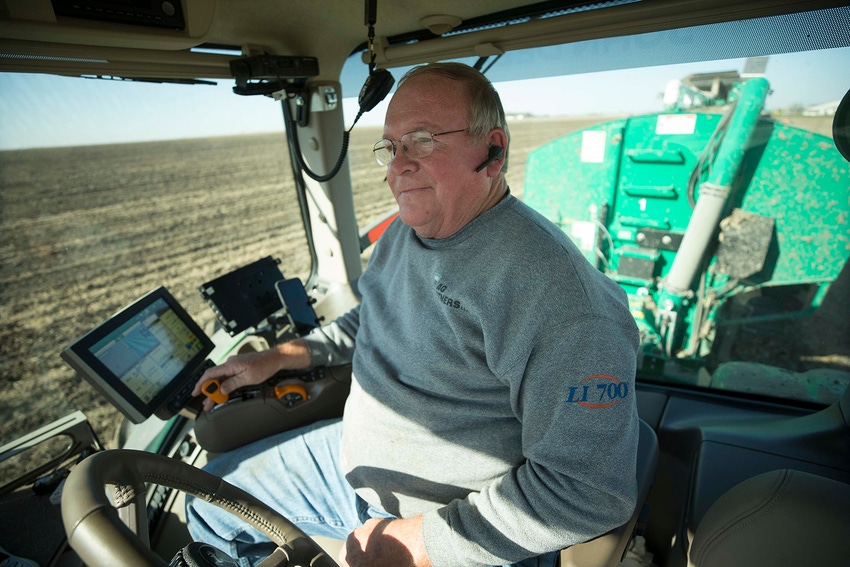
(415,144)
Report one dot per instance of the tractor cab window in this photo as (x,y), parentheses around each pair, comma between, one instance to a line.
(110,189)
(703,179)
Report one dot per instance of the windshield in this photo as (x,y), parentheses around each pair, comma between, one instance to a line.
(112,188)
(93,217)
(616,151)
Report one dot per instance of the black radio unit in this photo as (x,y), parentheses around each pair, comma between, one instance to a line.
(157,13)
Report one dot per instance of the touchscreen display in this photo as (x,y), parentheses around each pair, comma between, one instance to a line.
(149,350)
(144,357)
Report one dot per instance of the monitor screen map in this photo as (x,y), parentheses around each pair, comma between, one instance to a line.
(149,350)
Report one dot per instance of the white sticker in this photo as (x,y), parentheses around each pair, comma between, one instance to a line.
(676,124)
(583,233)
(593,146)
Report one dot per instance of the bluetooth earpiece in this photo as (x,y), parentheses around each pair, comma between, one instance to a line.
(494,154)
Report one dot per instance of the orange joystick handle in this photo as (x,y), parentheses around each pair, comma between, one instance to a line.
(290,394)
(212,389)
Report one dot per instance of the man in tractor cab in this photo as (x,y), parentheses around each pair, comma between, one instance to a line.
(492,416)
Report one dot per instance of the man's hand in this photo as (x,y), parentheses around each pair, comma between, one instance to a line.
(386,543)
(254,368)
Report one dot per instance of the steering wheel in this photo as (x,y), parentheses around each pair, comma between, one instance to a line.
(105,534)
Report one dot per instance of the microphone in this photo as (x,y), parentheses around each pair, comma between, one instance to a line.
(494,154)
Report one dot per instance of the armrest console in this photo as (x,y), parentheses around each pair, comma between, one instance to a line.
(257,412)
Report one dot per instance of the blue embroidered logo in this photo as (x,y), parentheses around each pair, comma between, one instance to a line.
(600,391)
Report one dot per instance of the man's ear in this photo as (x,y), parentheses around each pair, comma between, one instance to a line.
(498,137)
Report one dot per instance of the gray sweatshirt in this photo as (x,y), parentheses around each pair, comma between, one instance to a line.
(493,389)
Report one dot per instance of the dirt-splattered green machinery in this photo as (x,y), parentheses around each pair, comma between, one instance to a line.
(707,214)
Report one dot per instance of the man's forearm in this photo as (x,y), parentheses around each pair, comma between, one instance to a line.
(295,354)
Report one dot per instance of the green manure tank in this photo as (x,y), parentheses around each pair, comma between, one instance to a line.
(710,215)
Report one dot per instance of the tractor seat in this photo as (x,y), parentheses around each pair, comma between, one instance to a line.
(782,517)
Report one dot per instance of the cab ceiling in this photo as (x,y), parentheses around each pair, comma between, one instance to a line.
(33,38)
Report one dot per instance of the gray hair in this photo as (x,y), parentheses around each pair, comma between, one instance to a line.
(485,106)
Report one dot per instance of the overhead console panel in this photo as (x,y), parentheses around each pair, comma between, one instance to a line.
(157,13)
(141,24)
(128,39)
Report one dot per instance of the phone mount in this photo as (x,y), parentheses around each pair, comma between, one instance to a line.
(297,306)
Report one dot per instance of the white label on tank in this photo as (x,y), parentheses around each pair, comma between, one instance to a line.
(593,146)
(583,234)
(676,124)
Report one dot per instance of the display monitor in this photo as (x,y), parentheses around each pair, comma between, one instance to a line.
(144,359)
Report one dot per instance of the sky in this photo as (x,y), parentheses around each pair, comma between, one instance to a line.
(46,111)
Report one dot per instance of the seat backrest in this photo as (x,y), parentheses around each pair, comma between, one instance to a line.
(782,517)
(608,549)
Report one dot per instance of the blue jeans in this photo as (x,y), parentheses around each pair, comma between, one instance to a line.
(296,473)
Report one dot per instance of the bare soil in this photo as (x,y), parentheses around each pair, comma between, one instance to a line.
(86,230)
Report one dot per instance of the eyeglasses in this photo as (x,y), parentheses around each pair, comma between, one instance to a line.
(416,145)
